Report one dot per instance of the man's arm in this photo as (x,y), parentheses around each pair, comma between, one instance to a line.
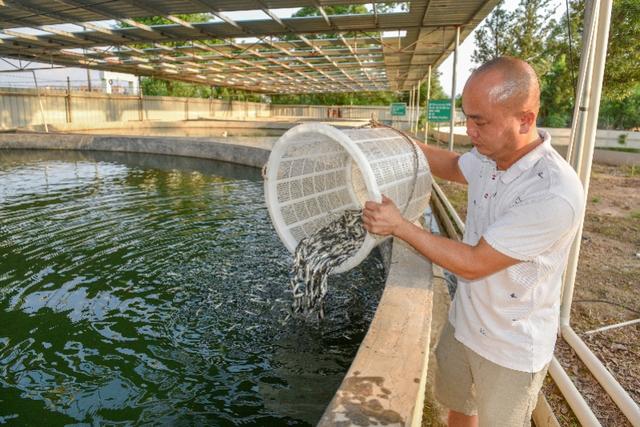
(469,262)
(443,163)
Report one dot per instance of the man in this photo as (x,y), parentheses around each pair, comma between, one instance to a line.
(525,204)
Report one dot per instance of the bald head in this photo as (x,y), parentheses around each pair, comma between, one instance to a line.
(510,82)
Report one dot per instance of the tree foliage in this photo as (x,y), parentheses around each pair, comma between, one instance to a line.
(623,53)
(493,38)
(362,98)
(530,34)
(152,86)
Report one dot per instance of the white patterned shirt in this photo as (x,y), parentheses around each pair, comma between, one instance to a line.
(530,212)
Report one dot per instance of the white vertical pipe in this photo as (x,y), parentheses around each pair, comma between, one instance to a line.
(453,89)
(575,151)
(587,51)
(596,79)
(582,113)
(426,106)
(582,158)
(588,121)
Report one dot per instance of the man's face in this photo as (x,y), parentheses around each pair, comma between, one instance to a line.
(492,127)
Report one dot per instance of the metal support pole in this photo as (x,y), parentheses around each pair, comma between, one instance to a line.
(584,131)
(579,123)
(417,108)
(211,102)
(84,52)
(585,125)
(140,100)
(44,122)
(426,107)
(453,89)
(410,107)
(68,99)
(89,80)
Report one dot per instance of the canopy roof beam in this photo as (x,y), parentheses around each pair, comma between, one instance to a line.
(293,54)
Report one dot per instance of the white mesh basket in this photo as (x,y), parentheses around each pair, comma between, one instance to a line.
(316,171)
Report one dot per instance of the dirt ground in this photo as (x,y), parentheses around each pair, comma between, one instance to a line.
(607,290)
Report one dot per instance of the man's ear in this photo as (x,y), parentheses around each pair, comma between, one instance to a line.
(527,119)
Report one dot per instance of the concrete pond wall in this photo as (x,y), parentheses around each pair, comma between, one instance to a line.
(386,382)
(22,108)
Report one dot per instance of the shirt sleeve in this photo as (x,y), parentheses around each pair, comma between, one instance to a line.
(469,164)
(529,229)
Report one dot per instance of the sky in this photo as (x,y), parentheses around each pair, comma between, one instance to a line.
(465,65)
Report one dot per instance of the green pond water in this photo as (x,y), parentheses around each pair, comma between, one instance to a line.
(153,290)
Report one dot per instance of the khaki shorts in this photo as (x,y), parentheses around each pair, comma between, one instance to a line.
(468,383)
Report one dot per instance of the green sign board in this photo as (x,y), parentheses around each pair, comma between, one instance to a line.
(439,110)
(398,109)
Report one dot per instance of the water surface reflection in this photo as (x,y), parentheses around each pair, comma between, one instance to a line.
(144,289)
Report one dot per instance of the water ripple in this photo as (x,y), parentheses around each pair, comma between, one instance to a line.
(138,293)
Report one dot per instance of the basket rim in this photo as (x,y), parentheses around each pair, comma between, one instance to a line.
(275,157)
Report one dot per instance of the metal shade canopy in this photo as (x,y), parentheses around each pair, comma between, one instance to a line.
(325,53)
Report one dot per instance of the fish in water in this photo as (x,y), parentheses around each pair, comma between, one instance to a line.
(317,255)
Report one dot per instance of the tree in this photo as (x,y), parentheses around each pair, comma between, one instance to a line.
(532,23)
(493,39)
(621,85)
(521,33)
(529,33)
(623,54)
(557,94)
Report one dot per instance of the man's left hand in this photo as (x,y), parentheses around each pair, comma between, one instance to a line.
(383,218)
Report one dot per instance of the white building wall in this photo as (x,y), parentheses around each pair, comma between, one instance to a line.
(56,78)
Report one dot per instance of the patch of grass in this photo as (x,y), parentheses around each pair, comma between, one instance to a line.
(614,227)
(596,199)
(631,170)
(635,215)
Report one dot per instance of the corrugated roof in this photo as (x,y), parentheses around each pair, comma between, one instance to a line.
(326,53)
